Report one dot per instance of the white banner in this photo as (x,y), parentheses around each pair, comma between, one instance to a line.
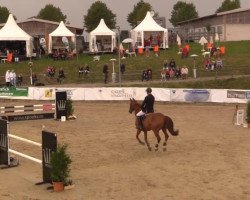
(119,93)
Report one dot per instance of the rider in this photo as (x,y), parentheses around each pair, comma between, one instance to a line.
(146,107)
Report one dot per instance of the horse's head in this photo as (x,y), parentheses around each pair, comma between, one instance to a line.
(131,106)
(134,106)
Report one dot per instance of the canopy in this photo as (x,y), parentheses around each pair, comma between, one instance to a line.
(102,38)
(62,31)
(128,40)
(12,32)
(149,25)
(203,40)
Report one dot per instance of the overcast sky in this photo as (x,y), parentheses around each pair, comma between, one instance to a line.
(75,9)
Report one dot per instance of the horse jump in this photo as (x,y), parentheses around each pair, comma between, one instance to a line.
(49,144)
(39,111)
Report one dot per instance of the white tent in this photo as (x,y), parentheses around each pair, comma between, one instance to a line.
(61,32)
(102,38)
(12,32)
(147,27)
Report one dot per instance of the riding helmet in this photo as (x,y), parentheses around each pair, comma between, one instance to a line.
(149,90)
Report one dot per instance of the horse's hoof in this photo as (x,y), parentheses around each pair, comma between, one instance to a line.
(164,149)
(149,148)
(156,149)
(142,143)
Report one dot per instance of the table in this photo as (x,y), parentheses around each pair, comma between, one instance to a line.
(131,54)
(3,60)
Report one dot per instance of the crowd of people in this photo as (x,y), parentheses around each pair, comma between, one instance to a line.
(12,80)
(170,71)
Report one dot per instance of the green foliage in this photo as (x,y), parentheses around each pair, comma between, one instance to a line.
(248,111)
(69,107)
(60,164)
(183,11)
(228,5)
(4,14)
(139,12)
(96,12)
(50,12)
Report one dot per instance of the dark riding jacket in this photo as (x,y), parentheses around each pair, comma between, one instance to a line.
(148,104)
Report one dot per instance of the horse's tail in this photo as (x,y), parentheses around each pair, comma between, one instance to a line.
(170,126)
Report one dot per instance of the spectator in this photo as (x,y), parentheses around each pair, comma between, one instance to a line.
(163,74)
(144,75)
(56,55)
(178,72)
(80,71)
(185,52)
(165,64)
(34,79)
(167,73)
(184,72)
(218,63)
(105,72)
(19,80)
(147,51)
(122,68)
(149,71)
(51,71)
(12,78)
(86,70)
(159,39)
(61,75)
(7,78)
(171,73)
(172,64)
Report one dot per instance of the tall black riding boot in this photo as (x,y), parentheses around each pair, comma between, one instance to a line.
(139,120)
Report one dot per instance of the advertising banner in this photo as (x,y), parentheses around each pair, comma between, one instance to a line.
(190,95)
(14,92)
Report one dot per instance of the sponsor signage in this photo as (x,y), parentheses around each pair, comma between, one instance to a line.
(29,117)
(12,91)
(238,94)
(61,99)
(197,95)
(49,145)
(4,143)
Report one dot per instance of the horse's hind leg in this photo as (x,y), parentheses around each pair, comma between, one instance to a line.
(137,137)
(166,139)
(146,140)
(158,139)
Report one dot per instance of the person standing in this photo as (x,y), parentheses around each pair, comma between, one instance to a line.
(105,72)
(146,107)
(7,78)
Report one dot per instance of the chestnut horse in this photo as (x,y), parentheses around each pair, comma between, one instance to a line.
(154,122)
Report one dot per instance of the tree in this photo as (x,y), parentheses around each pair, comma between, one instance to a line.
(4,14)
(96,12)
(50,12)
(183,11)
(228,5)
(139,12)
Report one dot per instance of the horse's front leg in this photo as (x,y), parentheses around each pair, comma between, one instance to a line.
(137,137)
(146,140)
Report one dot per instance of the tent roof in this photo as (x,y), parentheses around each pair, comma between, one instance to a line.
(11,31)
(149,24)
(62,31)
(102,29)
